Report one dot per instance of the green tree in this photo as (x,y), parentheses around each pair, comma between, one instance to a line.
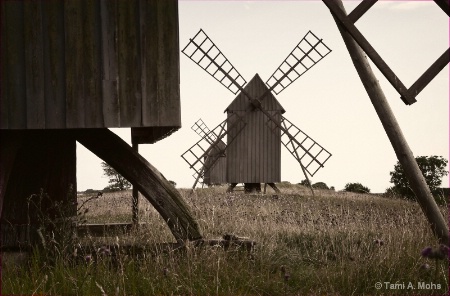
(116,181)
(356,187)
(432,168)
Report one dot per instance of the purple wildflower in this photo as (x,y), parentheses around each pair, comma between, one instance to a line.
(88,258)
(427,252)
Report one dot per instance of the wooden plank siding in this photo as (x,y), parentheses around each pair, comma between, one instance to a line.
(216,173)
(254,154)
(90,64)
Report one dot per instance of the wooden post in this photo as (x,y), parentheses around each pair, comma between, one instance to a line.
(395,135)
(135,201)
(147,179)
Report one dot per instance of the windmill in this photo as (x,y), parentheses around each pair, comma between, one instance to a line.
(255,126)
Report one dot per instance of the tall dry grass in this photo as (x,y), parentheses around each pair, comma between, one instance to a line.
(332,244)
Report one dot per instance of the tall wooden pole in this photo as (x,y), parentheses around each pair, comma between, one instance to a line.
(393,131)
(135,202)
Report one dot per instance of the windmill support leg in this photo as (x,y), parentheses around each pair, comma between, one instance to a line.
(231,187)
(147,179)
(274,187)
(307,179)
(398,141)
(135,199)
(265,187)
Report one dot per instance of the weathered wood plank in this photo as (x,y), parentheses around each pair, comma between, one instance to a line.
(110,72)
(4,102)
(130,93)
(14,75)
(75,63)
(147,179)
(54,63)
(34,65)
(93,105)
(160,62)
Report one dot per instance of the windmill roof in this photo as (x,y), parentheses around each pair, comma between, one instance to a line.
(255,88)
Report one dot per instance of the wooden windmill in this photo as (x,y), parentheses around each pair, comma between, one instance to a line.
(255,126)
(71,70)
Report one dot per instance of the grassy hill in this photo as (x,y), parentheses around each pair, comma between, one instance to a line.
(334,243)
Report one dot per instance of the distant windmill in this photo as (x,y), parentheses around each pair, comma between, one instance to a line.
(255,126)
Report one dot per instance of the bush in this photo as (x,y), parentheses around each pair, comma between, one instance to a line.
(320,185)
(356,187)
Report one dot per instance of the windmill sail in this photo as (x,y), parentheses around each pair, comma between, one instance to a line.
(205,53)
(308,52)
(309,154)
(204,155)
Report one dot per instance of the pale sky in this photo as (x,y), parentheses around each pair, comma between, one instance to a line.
(329,102)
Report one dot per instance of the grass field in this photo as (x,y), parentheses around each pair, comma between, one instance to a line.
(335,243)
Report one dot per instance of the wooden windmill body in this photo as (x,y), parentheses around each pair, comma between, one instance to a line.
(254,155)
(255,127)
(71,70)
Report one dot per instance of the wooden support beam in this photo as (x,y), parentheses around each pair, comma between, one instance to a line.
(394,133)
(444,5)
(147,179)
(348,25)
(360,10)
(430,73)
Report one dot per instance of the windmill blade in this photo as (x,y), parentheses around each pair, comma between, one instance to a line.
(205,53)
(203,155)
(308,52)
(311,155)
(203,131)
(197,154)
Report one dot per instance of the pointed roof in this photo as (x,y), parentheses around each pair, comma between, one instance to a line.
(255,88)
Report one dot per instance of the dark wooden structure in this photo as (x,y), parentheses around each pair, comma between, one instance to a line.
(255,126)
(254,153)
(216,160)
(69,71)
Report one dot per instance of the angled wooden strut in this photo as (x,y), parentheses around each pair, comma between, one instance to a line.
(146,178)
(395,135)
(408,95)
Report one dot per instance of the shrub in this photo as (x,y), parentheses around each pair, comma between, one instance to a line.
(320,185)
(356,187)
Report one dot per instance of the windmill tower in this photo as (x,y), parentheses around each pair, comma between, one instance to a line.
(255,126)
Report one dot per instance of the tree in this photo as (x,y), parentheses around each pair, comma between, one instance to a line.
(116,181)
(432,168)
(356,187)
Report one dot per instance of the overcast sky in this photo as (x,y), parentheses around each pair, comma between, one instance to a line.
(329,102)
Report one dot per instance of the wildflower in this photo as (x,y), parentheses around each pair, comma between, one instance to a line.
(438,253)
(88,258)
(427,252)
(286,276)
(378,242)
(165,271)
(425,266)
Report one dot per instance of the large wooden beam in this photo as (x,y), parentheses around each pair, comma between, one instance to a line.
(351,29)
(394,133)
(146,178)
